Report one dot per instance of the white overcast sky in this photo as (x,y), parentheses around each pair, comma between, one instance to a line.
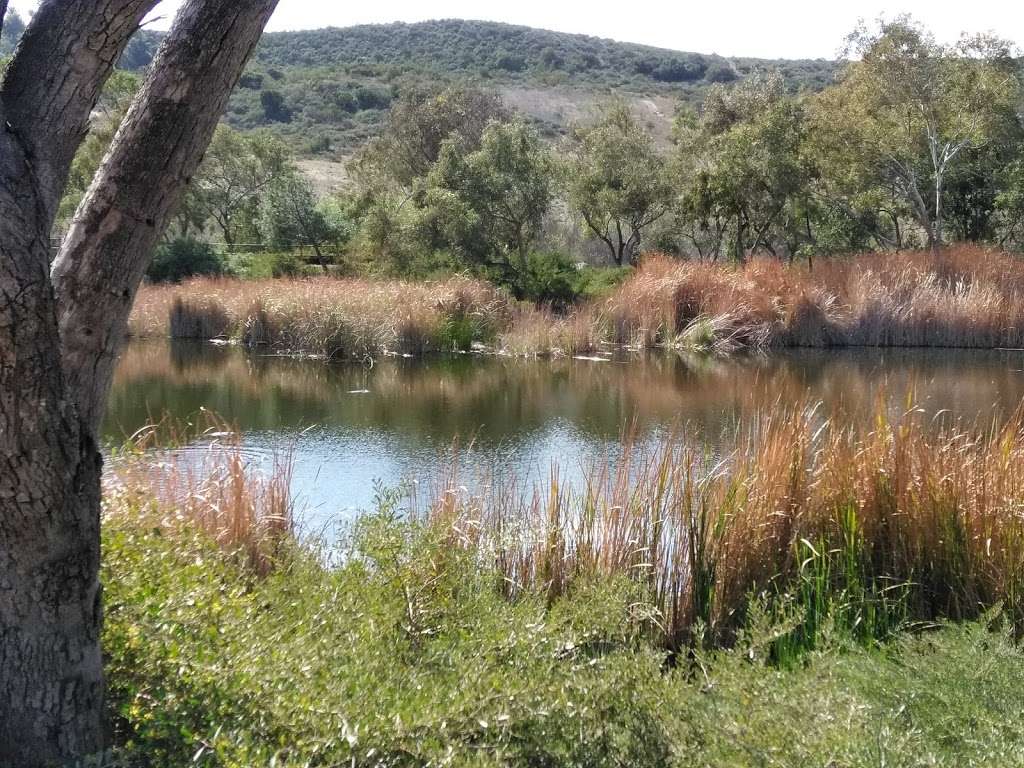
(781,29)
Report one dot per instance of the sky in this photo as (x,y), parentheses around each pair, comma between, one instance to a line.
(781,29)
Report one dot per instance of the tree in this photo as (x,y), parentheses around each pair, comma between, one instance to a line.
(291,216)
(911,110)
(62,326)
(489,203)
(418,126)
(237,169)
(616,181)
(742,172)
(11,31)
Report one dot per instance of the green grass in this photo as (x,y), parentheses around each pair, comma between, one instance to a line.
(406,653)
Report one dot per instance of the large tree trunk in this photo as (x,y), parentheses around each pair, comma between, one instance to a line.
(50,666)
(50,670)
(59,335)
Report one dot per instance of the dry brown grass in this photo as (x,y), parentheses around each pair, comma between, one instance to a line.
(337,319)
(206,483)
(893,522)
(968,297)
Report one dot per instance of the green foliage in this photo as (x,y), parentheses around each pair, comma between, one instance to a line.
(596,282)
(419,125)
(340,82)
(549,278)
(488,204)
(617,182)
(745,180)
(237,169)
(291,217)
(407,654)
(13,27)
(263,264)
(275,110)
(181,258)
(911,114)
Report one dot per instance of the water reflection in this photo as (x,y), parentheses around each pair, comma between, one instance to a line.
(350,425)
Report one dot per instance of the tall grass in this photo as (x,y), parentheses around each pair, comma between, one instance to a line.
(967,297)
(336,319)
(199,477)
(869,528)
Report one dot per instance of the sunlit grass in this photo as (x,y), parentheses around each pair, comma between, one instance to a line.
(967,297)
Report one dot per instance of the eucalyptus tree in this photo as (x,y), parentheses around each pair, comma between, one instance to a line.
(740,166)
(236,172)
(910,110)
(63,320)
(616,181)
(489,203)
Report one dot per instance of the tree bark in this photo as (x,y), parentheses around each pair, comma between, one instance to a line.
(143,178)
(50,665)
(53,382)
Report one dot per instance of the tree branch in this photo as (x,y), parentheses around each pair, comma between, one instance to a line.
(142,180)
(54,81)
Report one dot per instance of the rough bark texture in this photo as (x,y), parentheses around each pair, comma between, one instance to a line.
(51,685)
(51,680)
(108,247)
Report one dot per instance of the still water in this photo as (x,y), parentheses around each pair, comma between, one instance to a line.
(397,421)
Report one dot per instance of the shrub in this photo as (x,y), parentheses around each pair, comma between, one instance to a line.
(720,72)
(181,258)
(549,278)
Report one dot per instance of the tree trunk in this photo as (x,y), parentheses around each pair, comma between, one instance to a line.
(57,346)
(142,180)
(51,684)
(51,680)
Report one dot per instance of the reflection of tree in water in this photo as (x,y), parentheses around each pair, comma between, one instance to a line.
(499,399)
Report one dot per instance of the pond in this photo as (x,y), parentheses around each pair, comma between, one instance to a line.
(398,421)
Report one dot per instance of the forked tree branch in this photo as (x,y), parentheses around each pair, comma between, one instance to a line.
(140,184)
(54,81)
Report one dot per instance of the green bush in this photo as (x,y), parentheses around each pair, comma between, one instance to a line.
(181,258)
(549,278)
(266,264)
(597,282)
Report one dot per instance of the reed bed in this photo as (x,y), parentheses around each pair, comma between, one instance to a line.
(966,297)
(205,482)
(335,319)
(873,529)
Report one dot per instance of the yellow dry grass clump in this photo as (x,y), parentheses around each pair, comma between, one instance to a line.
(205,482)
(338,319)
(967,297)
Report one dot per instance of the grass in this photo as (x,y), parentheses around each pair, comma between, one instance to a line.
(785,604)
(967,297)
(874,528)
(333,318)
(406,654)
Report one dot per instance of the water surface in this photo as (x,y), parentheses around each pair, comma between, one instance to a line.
(396,421)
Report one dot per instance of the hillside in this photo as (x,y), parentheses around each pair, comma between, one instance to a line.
(327,90)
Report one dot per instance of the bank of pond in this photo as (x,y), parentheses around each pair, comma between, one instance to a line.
(963,297)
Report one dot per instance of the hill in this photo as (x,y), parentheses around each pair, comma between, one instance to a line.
(328,90)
